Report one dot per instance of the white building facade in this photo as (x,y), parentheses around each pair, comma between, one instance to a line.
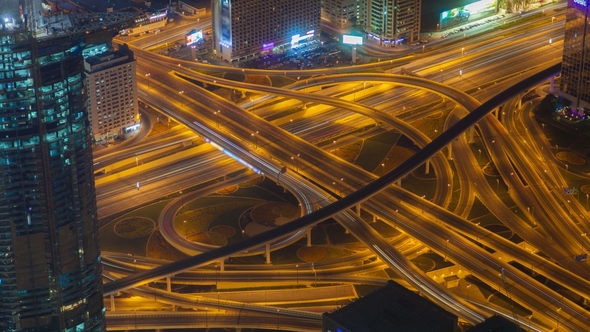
(112,94)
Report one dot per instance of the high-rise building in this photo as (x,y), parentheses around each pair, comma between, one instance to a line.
(575,68)
(343,14)
(50,273)
(112,97)
(393,21)
(243,28)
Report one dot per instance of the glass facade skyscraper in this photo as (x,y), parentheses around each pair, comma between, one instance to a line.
(575,69)
(50,272)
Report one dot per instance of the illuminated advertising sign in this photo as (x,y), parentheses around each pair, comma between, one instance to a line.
(268,46)
(225,22)
(352,40)
(580,2)
(193,37)
(470,12)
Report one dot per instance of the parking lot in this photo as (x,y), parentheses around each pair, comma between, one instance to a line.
(310,55)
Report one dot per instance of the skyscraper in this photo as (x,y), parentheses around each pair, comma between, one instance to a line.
(393,21)
(50,274)
(243,28)
(575,69)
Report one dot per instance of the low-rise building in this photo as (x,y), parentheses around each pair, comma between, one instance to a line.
(190,7)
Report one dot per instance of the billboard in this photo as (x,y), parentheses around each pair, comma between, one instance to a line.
(193,37)
(470,12)
(352,40)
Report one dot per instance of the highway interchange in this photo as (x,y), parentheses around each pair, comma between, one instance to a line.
(426,220)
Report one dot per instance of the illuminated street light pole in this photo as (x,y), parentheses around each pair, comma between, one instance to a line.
(255,136)
(137,171)
(217,117)
(148,79)
(297,273)
(181,99)
(583,235)
(446,247)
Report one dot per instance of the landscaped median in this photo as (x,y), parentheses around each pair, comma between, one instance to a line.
(202,148)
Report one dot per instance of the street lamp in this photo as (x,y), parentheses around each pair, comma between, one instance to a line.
(135,314)
(181,100)
(297,273)
(206,311)
(468,286)
(446,247)
(148,79)
(479,90)
(395,220)
(442,76)
(217,301)
(583,235)
(552,19)
(383,165)
(185,229)
(587,195)
(567,167)
(217,117)
(497,185)
(137,171)
(254,135)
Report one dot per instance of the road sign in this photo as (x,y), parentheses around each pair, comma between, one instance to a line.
(581,258)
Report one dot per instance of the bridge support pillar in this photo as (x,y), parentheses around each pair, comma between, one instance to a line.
(374,218)
(358,209)
(450,149)
(585,301)
(471,134)
(308,237)
(113,303)
(399,182)
(519,102)
(222,264)
(552,84)
(268,253)
(243,94)
(168,284)
(427,166)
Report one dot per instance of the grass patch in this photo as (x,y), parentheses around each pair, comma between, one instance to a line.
(197,221)
(134,227)
(159,248)
(477,209)
(519,21)
(376,149)
(433,125)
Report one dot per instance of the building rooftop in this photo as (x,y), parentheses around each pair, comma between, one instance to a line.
(392,308)
(496,324)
